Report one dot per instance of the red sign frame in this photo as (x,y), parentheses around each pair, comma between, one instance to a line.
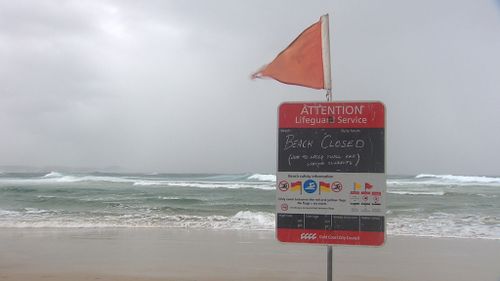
(367,222)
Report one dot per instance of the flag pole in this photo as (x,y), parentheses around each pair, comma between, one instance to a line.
(327,78)
(325,47)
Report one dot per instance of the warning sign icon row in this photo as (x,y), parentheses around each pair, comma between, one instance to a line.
(365,198)
(321,186)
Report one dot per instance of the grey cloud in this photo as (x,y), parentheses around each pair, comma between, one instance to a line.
(164,85)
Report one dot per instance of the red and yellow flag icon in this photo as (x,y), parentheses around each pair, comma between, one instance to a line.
(368,186)
(296,186)
(306,61)
(324,187)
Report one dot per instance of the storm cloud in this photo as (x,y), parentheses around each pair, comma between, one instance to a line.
(163,86)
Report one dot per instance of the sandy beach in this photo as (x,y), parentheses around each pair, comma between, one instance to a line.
(181,254)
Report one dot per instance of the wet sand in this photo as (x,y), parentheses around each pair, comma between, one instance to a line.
(180,254)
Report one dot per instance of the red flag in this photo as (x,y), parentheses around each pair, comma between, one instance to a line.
(305,62)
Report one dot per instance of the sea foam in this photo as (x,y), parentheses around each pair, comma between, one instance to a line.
(460,179)
(262,177)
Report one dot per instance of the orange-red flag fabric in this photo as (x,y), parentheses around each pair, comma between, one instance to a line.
(301,63)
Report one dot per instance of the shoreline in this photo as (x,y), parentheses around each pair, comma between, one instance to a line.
(194,254)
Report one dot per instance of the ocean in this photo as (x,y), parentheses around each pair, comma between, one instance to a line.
(422,205)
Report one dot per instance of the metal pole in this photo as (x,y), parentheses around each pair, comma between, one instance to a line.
(329,275)
(327,76)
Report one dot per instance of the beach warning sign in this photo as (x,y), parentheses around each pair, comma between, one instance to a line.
(331,181)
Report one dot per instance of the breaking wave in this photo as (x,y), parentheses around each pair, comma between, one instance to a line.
(262,177)
(438,193)
(459,179)
(256,181)
(34,218)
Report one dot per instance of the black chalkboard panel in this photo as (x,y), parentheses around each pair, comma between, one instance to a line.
(318,222)
(331,222)
(295,221)
(369,223)
(350,223)
(331,150)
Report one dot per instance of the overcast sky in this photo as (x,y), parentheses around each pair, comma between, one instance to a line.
(163,86)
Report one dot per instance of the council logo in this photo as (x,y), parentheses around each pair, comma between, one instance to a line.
(308,236)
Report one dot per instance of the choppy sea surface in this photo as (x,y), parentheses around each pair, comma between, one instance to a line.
(422,205)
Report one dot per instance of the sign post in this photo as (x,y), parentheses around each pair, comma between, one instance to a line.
(329,262)
(331,181)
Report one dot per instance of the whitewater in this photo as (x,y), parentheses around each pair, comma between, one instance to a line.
(421,205)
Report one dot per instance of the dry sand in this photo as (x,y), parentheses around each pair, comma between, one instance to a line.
(179,254)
